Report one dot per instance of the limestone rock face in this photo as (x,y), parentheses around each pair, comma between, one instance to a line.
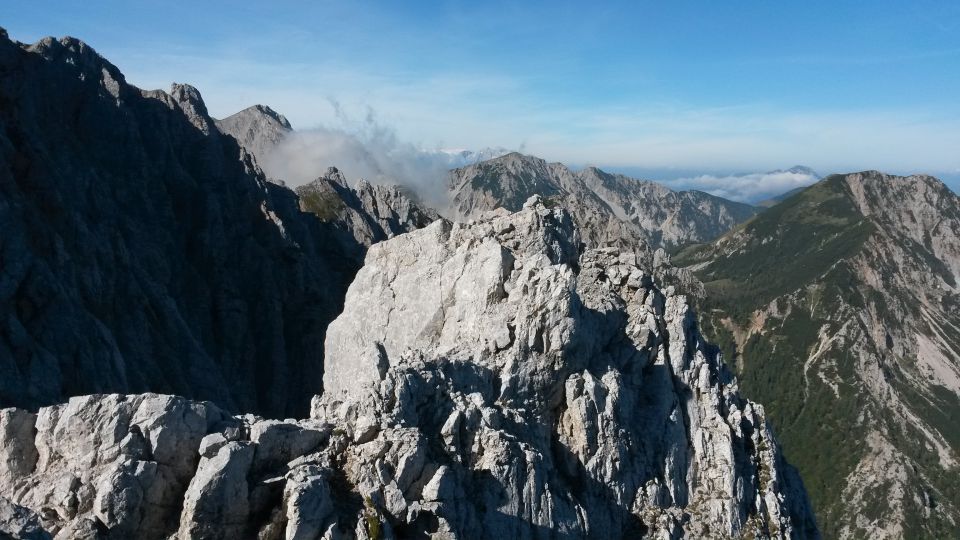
(122,462)
(144,250)
(562,391)
(484,380)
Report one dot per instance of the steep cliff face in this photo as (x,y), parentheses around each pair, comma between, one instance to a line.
(144,250)
(841,305)
(609,208)
(485,380)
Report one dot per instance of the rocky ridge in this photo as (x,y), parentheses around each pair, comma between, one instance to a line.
(609,208)
(841,304)
(145,250)
(368,212)
(484,379)
(374,212)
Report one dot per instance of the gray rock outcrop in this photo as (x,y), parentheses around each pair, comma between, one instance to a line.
(258,129)
(484,380)
(565,392)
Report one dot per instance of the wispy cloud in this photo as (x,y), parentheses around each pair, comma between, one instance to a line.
(361,148)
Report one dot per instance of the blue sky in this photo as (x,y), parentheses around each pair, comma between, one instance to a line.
(648,86)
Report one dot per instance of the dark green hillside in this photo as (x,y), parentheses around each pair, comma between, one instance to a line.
(782,248)
(787,285)
(816,423)
(773,201)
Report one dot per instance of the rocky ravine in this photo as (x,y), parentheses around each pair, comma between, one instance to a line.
(484,380)
(843,306)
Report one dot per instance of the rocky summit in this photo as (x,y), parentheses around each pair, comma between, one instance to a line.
(259,129)
(366,212)
(841,307)
(485,380)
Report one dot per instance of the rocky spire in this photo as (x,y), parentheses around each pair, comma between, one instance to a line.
(258,129)
(190,101)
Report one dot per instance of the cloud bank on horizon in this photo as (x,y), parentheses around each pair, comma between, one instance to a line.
(750,187)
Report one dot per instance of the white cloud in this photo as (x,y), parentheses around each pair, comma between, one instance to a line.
(753,187)
(366,149)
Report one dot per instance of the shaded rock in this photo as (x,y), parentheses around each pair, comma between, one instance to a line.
(144,249)
(18,454)
(19,523)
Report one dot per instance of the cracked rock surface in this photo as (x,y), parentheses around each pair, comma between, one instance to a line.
(485,380)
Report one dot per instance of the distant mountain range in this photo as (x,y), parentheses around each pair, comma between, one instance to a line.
(609,207)
(462,158)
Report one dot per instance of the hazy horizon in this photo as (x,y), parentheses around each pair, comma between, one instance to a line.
(703,90)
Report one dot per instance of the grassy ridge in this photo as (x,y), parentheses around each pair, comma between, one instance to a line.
(795,259)
(781,249)
(813,420)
